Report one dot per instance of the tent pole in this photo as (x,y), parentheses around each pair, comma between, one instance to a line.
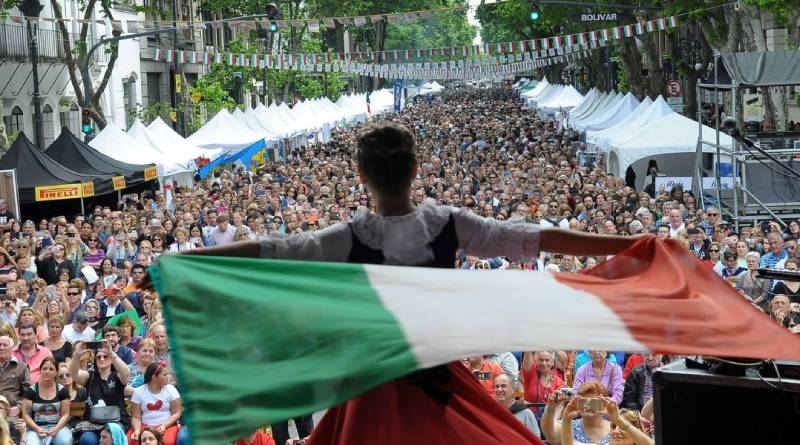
(716,126)
(82,210)
(734,169)
(698,159)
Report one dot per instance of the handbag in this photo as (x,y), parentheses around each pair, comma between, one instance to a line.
(104,414)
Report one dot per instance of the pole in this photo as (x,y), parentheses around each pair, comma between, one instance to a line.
(175,74)
(734,168)
(698,159)
(37,104)
(716,126)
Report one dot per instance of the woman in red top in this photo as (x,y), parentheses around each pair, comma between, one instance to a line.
(713,256)
(539,378)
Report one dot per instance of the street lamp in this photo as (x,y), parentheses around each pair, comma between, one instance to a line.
(31,10)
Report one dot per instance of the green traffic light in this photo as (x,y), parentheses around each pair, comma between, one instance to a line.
(273,27)
(86,129)
(534,15)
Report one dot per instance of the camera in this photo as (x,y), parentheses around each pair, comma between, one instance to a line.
(594,405)
(7,304)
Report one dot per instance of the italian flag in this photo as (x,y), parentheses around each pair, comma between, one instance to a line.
(640,28)
(169,55)
(617,32)
(629,30)
(268,340)
(672,21)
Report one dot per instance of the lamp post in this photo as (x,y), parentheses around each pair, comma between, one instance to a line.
(31,9)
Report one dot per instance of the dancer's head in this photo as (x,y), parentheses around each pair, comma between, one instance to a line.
(386,159)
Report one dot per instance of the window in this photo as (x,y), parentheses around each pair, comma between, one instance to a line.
(47,127)
(16,121)
(71,118)
(153,87)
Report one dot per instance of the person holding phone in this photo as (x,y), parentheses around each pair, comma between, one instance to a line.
(51,261)
(591,427)
(105,386)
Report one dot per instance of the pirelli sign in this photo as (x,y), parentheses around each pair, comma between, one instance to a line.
(118,182)
(150,173)
(64,191)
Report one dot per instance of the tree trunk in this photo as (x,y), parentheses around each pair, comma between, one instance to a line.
(3,138)
(775,108)
(632,61)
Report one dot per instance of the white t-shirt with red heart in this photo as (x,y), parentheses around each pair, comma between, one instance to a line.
(155,407)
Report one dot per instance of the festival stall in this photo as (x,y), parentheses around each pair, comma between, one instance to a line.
(121,146)
(76,155)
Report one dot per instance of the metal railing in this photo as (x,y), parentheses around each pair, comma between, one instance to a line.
(14,44)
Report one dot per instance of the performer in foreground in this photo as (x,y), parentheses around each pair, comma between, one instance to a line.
(444,404)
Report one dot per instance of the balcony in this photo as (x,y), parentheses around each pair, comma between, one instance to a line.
(14,44)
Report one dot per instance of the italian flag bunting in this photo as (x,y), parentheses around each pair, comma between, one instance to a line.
(628,30)
(583,38)
(523,46)
(673,21)
(499,48)
(158,55)
(218,58)
(650,25)
(558,42)
(169,55)
(420,52)
(545,43)
(464,51)
(617,32)
(535,45)
(408,54)
(396,55)
(639,28)
(605,34)
(324,332)
(662,23)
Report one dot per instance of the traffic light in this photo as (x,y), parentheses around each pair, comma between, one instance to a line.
(273,26)
(535,13)
(86,121)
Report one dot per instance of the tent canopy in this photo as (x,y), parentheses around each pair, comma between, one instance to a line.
(763,69)
(36,169)
(73,153)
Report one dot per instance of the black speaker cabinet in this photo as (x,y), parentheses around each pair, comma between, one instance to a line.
(694,406)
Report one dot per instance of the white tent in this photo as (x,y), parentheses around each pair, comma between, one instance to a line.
(621,109)
(160,131)
(549,93)
(588,109)
(541,86)
(224,132)
(568,98)
(587,100)
(121,146)
(597,112)
(671,140)
(600,138)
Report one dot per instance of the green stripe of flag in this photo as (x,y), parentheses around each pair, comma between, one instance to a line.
(295,336)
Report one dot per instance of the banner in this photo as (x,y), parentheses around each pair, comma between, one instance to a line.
(150,173)
(57,192)
(118,182)
(398,94)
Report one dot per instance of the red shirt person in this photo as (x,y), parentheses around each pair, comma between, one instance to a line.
(538,376)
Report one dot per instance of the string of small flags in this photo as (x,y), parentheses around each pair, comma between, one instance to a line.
(453,69)
(540,47)
(313,24)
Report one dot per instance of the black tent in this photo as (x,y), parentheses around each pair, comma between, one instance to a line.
(40,178)
(74,154)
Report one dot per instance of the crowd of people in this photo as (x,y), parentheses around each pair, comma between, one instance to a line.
(76,330)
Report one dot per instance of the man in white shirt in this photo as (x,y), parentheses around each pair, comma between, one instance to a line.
(79,330)
(675,222)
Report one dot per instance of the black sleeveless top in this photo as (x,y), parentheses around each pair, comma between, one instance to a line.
(433,381)
(444,247)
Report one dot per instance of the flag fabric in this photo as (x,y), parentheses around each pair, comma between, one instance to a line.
(672,21)
(327,332)
(138,327)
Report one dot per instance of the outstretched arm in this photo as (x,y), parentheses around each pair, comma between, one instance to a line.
(578,243)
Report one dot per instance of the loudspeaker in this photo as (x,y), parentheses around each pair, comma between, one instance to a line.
(694,406)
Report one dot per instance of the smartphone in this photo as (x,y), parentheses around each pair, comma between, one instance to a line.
(483,375)
(94,345)
(594,405)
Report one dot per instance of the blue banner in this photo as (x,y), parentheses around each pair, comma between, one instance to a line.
(398,93)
